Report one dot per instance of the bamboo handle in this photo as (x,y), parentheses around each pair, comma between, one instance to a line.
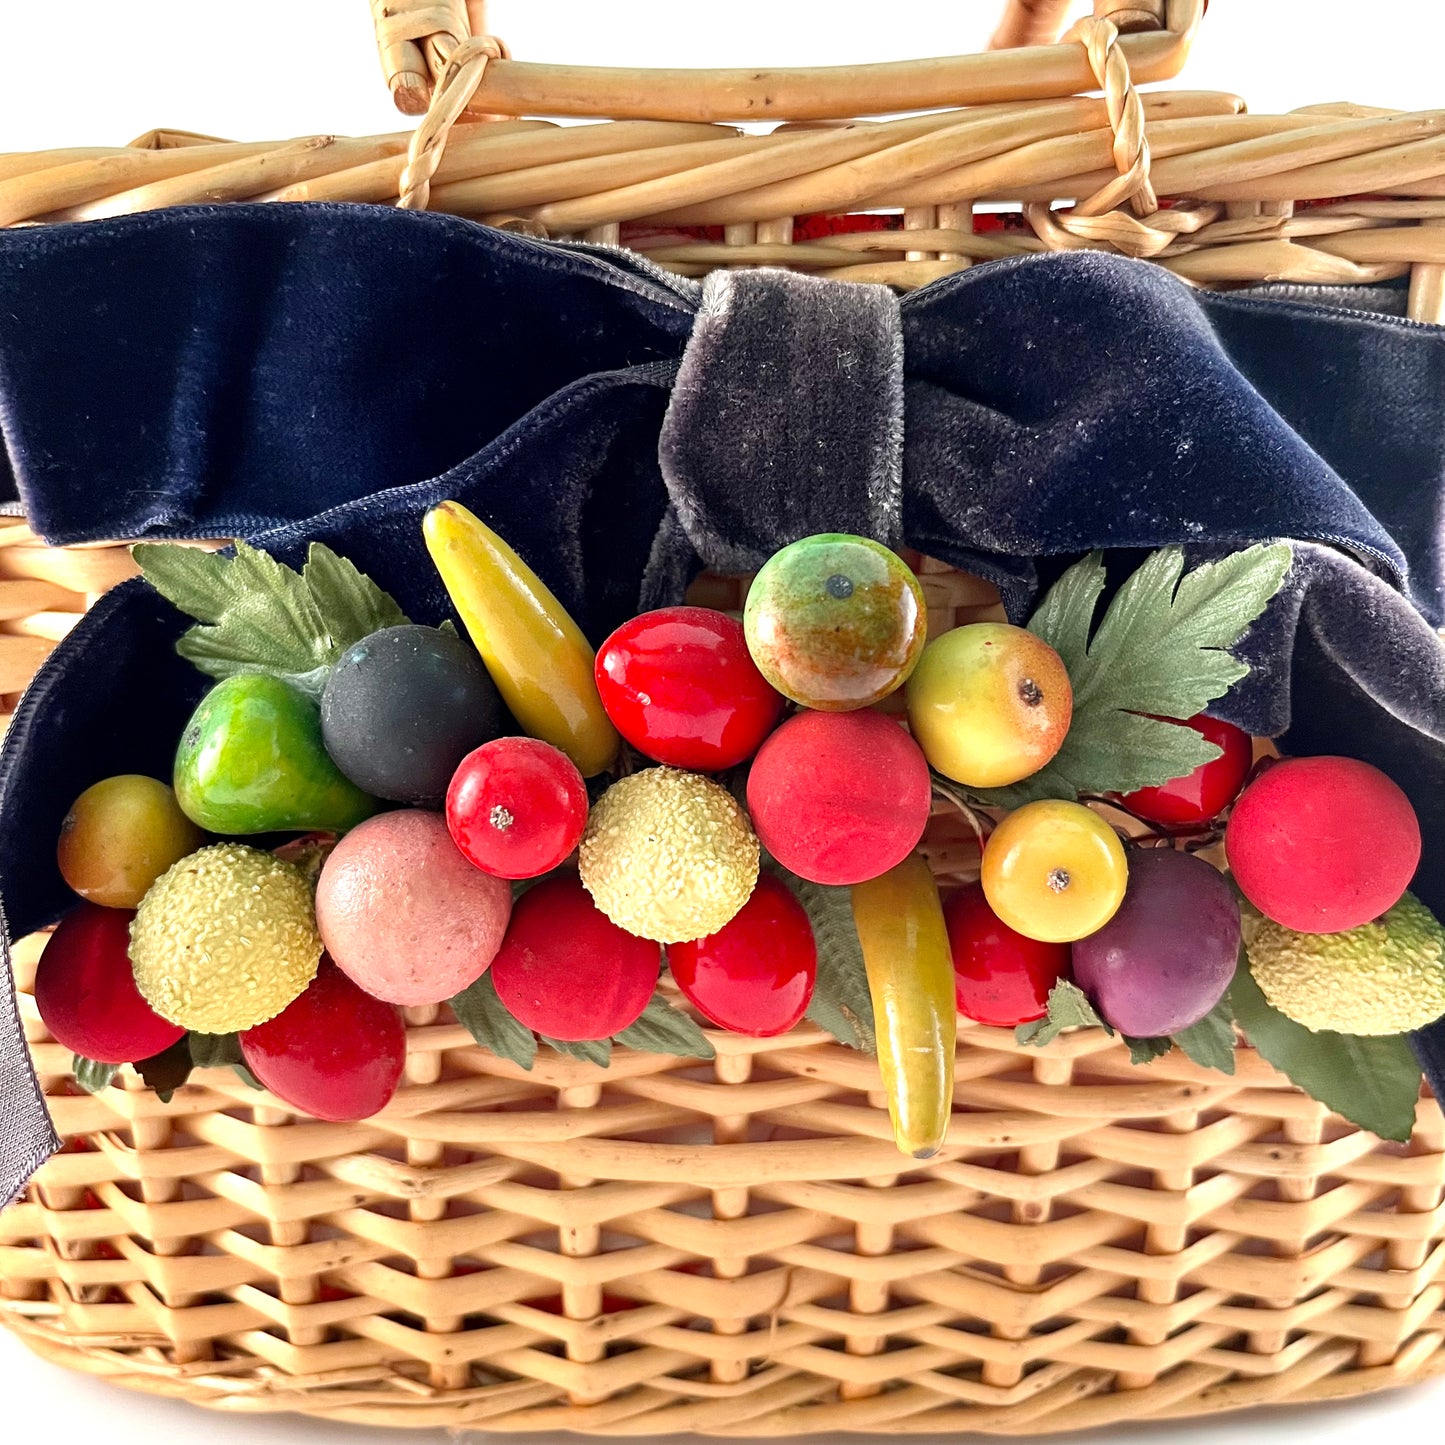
(417,39)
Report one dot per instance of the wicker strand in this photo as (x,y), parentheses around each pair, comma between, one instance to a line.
(1100,39)
(457,85)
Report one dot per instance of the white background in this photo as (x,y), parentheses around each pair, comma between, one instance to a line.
(87,72)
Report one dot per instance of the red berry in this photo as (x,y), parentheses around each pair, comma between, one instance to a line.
(755,975)
(335,1053)
(1001,978)
(839,797)
(86,992)
(1323,844)
(680,685)
(516,807)
(1201,796)
(567,971)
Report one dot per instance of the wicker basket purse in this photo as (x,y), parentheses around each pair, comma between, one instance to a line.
(736,1248)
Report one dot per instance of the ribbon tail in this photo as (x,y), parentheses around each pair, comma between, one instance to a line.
(27,1137)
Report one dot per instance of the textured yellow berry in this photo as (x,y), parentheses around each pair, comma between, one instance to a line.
(225,939)
(1385,977)
(669,855)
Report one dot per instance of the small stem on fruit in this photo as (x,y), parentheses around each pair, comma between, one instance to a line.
(1156,833)
(981,823)
(1058,879)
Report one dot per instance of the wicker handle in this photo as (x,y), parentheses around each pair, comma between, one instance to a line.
(417,39)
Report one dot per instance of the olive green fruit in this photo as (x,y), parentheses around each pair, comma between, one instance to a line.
(225,939)
(1383,977)
(669,855)
(251,760)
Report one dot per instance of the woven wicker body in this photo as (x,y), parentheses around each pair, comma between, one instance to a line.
(736,1248)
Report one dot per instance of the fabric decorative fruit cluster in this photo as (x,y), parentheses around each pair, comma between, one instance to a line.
(712,818)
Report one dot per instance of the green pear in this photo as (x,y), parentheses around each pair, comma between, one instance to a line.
(251,760)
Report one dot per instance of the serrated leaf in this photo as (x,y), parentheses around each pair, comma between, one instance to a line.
(1161,648)
(1372,1082)
(663,1029)
(93,1077)
(256,615)
(485,1017)
(1069,1008)
(841,1002)
(214,1051)
(166,1071)
(590,1051)
(1211,1042)
(1145,1051)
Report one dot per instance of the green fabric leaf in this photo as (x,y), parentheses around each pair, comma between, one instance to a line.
(1069,1008)
(255,615)
(166,1071)
(1372,1082)
(590,1051)
(248,1078)
(485,1018)
(1211,1042)
(841,1002)
(215,1051)
(1161,648)
(1145,1051)
(93,1077)
(663,1029)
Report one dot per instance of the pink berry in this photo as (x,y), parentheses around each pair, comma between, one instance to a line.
(335,1053)
(516,807)
(567,971)
(839,797)
(755,975)
(1323,844)
(86,992)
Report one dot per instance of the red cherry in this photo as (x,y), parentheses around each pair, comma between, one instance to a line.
(1201,796)
(567,971)
(1323,844)
(839,797)
(755,975)
(680,685)
(516,807)
(85,991)
(1000,977)
(334,1053)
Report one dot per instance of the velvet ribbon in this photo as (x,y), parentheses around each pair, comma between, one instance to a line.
(309,372)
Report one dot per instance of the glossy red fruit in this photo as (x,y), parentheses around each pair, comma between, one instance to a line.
(1201,796)
(1001,978)
(755,975)
(839,797)
(1323,844)
(680,685)
(86,992)
(567,971)
(335,1053)
(516,807)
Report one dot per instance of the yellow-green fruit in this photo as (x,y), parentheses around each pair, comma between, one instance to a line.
(1385,977)
(225,939)
(669,855)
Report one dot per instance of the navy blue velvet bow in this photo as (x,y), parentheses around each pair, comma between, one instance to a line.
(329,372)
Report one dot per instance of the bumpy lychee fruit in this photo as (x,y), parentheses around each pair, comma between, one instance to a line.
(225,939)
(669,855)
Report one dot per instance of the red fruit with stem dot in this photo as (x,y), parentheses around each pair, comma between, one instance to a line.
(86,992)
(1323,844)
(839,797)
(755,975)
(567,971)
(516,807)
(335,1052)
(1000,977)
(1201,796)
(680,685)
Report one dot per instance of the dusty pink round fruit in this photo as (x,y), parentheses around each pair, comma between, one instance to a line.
(1323,844)
(404,915)
(839,797)
(567,970)
(335,1053)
